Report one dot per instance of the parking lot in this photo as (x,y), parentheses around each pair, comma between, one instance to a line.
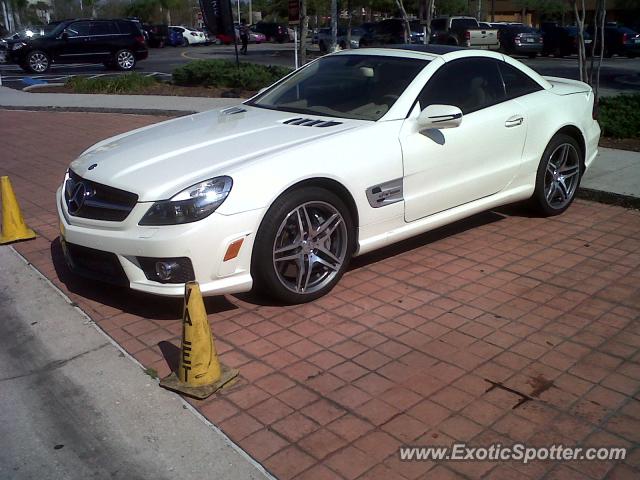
(502,328)
(619,74)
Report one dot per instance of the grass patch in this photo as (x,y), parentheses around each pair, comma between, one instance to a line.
(619,116)
(226,74)
(152,372)
(122,84)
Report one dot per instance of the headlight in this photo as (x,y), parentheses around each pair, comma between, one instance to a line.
(18,45)
(190,205)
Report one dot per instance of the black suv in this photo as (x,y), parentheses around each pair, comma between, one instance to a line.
(115,43)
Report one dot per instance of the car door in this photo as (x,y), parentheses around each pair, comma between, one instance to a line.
(103,37)
(450,167)
(74,46)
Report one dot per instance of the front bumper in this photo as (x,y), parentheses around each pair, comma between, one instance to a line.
(204,242)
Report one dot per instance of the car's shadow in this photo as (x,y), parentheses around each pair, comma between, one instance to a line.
(164,308)
(148,306)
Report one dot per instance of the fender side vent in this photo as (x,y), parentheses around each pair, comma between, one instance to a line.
(310,122)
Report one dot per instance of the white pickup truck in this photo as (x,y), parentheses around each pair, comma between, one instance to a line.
(463,32)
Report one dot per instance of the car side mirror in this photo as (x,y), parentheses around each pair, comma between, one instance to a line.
(439,116)
(64,35)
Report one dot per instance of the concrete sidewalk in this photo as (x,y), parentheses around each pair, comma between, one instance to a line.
(17,98)
(73,406)
(614,171)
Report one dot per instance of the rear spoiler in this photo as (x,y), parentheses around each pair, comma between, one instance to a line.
(566,86)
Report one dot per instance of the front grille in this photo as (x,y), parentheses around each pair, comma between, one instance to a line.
(183,274)
(88,199)
(95,264)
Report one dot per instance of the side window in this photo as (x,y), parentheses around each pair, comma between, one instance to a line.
(103,28)
(517,83)
(470,84)
(78,29)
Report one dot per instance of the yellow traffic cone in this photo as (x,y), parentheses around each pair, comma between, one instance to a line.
(200,373)
(13,226)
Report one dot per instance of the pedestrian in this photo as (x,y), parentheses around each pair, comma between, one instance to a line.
(244,37)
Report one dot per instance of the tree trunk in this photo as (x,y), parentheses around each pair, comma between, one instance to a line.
(349,24)
(429,16)
(580,16)
(304,27)
(600,18)
(407,27)
(334,26)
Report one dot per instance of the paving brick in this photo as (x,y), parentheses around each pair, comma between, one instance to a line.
(349,462)
(295,426)
(321,443)
(288,463)
(406,341)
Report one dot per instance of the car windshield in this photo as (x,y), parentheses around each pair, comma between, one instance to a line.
(33,32)
(361,87)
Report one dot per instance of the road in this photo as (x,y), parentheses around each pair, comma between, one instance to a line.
(618,75)
(72,406)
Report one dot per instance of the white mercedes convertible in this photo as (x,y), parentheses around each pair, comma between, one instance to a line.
(353,152)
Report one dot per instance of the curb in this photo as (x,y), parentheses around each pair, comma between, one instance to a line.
(126,111)
(609,198)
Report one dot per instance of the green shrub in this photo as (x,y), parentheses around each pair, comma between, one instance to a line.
(125,83)
(226,74)
(619,116)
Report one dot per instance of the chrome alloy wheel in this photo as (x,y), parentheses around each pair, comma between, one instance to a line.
(125,60)
(310,247)
(38,62)
(562,176)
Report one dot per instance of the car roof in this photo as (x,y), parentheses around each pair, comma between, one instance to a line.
(447,53)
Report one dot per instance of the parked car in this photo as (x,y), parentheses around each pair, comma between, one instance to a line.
(463,32)
(618,40)
(156,35)
(519,39)
(273,31)
(115,43)
(389,32)
(433,134)
(190,36)
(561,41)
(324,38)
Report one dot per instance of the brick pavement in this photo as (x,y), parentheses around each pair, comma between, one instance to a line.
(501,328)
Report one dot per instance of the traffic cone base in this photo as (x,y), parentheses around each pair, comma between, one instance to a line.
(227,378)
(13,226)
(200,372)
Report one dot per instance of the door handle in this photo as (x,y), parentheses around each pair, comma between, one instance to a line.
(514,121)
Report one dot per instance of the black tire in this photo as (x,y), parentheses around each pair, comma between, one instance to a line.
(532,55)
(37,61)
(124,60)
(323,47)
(540,199)
(185,42)
(278,222)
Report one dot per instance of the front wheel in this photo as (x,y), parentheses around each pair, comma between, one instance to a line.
(558,176)
(38,62)
(125,60)
(303,245)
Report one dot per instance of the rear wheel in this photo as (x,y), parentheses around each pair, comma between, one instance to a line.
(125,60)
(185,42)
(558,175)
(303,245)
(37,62)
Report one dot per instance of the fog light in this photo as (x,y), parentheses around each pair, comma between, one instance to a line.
(165,270)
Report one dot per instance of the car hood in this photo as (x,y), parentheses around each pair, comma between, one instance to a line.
(158,161)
